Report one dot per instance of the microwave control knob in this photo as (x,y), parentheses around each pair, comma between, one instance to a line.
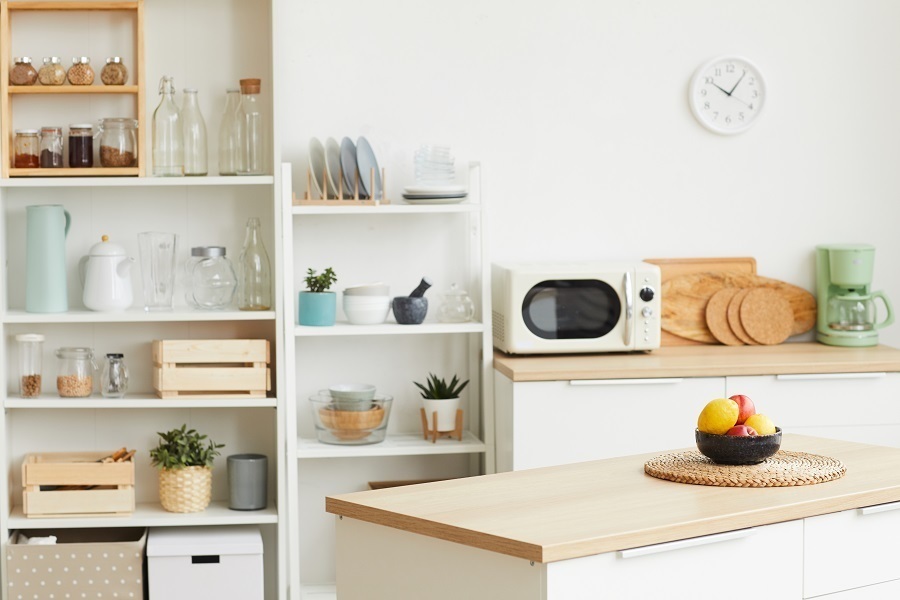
(647,312)
(647,294)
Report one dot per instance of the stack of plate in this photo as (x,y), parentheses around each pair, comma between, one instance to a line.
(435,178)
(355,161)
(434,194)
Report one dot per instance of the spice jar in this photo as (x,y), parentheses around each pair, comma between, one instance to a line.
(51,148)
(26,149)
(118,143)
(114,72)
(81,145)
(52,73)
(210,277)
(81,72)
(114,379)
(23,72)
(457,306)
(75,376)
(31,351)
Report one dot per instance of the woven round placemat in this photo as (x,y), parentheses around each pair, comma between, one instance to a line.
(783,469)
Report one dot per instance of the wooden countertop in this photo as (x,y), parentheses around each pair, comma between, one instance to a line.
(570,511)
(701,361)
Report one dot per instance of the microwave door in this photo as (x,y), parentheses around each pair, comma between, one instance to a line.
(629,308)
(572,309)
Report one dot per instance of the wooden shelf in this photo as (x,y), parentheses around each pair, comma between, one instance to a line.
(73,6)
(94,172)
(409,444)
(137,400)
(72,89)
(137,315)
(42,181)
(344,328)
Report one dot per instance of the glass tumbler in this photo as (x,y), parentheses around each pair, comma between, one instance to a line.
(157,250)
(75,376)
(114,379)
(31,350)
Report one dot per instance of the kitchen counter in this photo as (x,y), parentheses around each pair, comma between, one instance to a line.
(584,509)
(701,361)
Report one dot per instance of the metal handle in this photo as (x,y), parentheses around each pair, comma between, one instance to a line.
(629,308)
(807,376)
(878,508)
(657,381)
(688,543)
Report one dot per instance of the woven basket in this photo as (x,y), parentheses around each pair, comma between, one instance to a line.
(185,490)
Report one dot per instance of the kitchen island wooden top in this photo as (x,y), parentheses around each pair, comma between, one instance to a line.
(701,361)
(582,509)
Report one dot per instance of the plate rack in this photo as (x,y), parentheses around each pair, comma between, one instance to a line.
(355,200)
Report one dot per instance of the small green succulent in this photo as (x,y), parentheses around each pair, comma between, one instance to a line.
(437,388)
(319,283)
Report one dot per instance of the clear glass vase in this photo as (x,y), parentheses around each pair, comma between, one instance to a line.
(254,274)
(168,135)
(229,154)
(195,149)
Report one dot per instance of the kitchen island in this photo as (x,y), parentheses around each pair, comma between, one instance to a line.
(604,529)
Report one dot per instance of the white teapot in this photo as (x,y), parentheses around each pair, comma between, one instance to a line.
(106,277)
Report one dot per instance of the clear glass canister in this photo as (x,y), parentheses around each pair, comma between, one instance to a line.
(22,72)
(31,352)
(211,278)
(457,306)
(118,142)
(114,72)
(51,148)
(81,145)
(75,376)
(81,72)
(52,73)
(114,379)
(27,149)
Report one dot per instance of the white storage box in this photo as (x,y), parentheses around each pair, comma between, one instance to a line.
(187,563)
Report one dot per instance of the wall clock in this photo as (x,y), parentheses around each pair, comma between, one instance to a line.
(727,94)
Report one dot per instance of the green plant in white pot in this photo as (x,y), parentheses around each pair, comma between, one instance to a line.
(184,459)
(441,398)
(317,306)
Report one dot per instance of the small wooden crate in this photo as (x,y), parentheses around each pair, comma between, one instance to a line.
(47,480)
(211,368)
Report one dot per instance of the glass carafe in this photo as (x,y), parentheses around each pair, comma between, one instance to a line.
(210,277)
(254,276)
(251,130)
(168,136)
(229,154)
(856,312)
(195,155)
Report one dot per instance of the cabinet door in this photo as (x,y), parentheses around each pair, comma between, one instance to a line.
(557,422)
(857,407)
(851,549)
(709,567)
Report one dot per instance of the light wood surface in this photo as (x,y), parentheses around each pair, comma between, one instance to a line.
(73,89)
(73,5)
(701,361)
(577,510)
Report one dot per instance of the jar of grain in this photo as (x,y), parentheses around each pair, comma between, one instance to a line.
(81,72)
(114,72)
(27,144)
(118,143)
(31,351)
(75,376)
(52,73)
(22,72)
(51,148)
(81,146)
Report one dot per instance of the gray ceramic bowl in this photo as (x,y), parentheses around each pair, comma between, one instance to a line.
(734,450)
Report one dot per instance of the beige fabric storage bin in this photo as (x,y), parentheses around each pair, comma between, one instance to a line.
(84,563)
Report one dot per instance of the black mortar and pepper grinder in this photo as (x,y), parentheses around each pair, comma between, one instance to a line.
(420,290)
(411,310)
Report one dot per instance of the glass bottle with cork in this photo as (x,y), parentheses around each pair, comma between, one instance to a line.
(251,130)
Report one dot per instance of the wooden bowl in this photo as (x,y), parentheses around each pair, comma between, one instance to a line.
(734,450)
(351,424)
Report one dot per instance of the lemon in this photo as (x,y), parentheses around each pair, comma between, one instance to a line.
(718,416)
(761,423)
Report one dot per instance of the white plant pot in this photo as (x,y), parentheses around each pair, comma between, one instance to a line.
(446,413)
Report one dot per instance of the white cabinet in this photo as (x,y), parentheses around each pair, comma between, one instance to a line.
(397,244)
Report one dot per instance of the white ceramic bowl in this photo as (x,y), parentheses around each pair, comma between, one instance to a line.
(367,310)
(368,289)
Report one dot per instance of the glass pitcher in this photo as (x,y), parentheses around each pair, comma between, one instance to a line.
(856,312)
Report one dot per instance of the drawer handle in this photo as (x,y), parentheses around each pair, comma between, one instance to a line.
(688,543)
(878,508)
(803,376)
(657,381)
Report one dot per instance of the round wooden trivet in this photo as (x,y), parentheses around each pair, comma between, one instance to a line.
(783,469)
(767,316)
(734,317)
(717,317)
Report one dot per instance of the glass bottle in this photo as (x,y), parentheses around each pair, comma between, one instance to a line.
(114,379)
(251,130)
(228,135)
(168,136)
(195,155)
(254,276)
(31,351)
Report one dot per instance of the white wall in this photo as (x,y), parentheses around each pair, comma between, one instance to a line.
(578,111)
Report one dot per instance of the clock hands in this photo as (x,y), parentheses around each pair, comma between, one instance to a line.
(720,89)
(736,84)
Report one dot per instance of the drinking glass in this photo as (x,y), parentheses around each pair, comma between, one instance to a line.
(157,251)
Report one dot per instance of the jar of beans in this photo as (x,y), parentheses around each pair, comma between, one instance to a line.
(75,376)
(118,143)
(114,72)
(22,72)
(51,148)
(81,72)
(52,73)
(81,146)
(31,351)
(26,154)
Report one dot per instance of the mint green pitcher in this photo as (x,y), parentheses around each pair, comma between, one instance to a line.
(46,227)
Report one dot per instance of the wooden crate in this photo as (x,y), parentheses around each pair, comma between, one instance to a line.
(46,477)
(211,368)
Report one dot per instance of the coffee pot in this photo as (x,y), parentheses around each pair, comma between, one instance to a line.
(106,277)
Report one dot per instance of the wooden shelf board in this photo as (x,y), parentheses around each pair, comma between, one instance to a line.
(137,315)
(72,89)
(389,209)
(138,400)
(409,444)
(73,6)
(344,328)
(92,172)
(64,181)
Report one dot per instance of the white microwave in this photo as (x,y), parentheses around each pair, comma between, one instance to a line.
(573,307)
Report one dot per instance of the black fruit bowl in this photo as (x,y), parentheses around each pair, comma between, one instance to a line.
(734,450)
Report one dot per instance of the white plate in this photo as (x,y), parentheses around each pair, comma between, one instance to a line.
(434,200)
(365,159)
(348,164)
(317,167)
(333,165)
(433,190)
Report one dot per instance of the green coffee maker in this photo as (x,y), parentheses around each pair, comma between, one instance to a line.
(846,305)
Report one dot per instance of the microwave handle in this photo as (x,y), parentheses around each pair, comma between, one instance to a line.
(629,308)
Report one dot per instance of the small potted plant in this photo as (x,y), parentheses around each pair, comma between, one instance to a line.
(184,459)
(442,398)
(317,306)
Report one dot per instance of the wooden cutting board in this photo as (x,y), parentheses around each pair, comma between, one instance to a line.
(684,300)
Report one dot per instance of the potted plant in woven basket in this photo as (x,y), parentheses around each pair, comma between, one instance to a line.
(442,398)
(184,459)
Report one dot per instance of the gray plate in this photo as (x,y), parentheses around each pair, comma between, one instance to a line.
(348,164)
(365,159)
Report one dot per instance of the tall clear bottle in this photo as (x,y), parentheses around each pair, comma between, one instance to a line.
(168,135)
(251,130)
(195,149)
(254,274)
(229,153)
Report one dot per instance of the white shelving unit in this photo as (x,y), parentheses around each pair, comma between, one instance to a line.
(398,244)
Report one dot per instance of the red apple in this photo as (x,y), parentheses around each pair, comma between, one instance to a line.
(741,431)
(746,409)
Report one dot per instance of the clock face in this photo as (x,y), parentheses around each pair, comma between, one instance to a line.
(727,94)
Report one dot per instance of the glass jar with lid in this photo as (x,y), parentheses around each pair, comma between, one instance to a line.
(27,149)
(22,72)
(51,148)
(114,379)
(31,353)
(118,142)
(81,72)
(75,375)
(52,73)
(114,72)
(457,306)
(211,278)
(81,146)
